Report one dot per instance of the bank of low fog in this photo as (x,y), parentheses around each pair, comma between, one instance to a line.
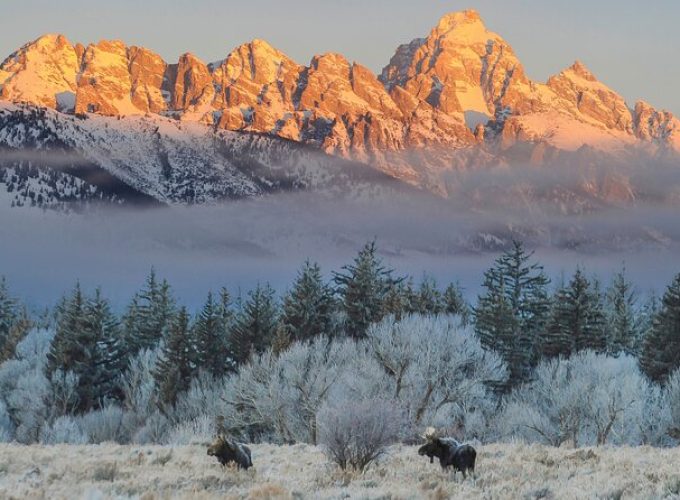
(240,243)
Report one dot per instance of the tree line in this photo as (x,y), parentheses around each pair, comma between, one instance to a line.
(520,316)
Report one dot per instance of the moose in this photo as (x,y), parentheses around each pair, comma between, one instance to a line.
(450,452)
(227,450)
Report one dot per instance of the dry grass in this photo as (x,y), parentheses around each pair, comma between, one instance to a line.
(300,471)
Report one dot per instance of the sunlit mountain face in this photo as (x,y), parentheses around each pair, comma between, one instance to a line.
(452,127)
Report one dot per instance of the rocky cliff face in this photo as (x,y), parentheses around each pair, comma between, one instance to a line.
(461,88)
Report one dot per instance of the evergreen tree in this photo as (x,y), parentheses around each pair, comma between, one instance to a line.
(211,341)
(557,339)
(149,314)
(622,327)
(596,338)
(577,322)
(513,310)
(401,299)
(256,323)
(176,364)
(73,347)
(226,323)
(660,354)
(8,313)
(455,304)
(429,300)
(308,308)
(364,287)
(109,357)
(645,319)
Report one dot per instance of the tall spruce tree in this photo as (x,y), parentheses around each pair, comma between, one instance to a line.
(622,326)
(73,347)
(256,323)
(212,354)
(149,314)
(646,318)
(109,356)
(177,363)
(227,318)
(660,354)
(577,322)
(455,304)
(309,306)
(429,299)
(401,299)
(364,286)
(513,310)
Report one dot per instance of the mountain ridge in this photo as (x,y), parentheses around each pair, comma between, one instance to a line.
(456,99)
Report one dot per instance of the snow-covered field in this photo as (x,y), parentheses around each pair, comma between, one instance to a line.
(301,471)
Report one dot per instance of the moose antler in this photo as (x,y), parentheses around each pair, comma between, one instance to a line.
(430,434)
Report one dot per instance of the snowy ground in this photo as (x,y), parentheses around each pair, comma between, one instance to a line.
(301,471)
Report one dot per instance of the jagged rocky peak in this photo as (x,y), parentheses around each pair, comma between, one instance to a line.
(588,97)
(193,90)
(658,127)
(255,74)
(579,69)
(149,80)
(104,83)
(461,66)
(41,72)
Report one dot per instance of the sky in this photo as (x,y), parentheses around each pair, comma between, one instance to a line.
(630,45)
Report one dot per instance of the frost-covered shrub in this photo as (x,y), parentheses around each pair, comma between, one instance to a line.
(588,399)
(355,433)
(153,430)
(277,397)
(63,430)
(655,420)
(671,399)
(24,389)
(203,398)
(199,430)
(106,424)
(438,371)
(138,382)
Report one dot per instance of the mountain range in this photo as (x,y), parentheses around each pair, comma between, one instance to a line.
(114,122)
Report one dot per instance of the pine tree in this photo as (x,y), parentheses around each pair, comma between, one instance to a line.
(660,354)
(211,340)
(455,304)
(401,299)
(596,335)
(256,323)
(557,339)
(645,320)
(308,308)
(149,314)
(577,322)
(622,327)
(429,300)
(363,287)
(176,364)
(109,356)
(73,347)
(226,324)
(8,313)
(513,311)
